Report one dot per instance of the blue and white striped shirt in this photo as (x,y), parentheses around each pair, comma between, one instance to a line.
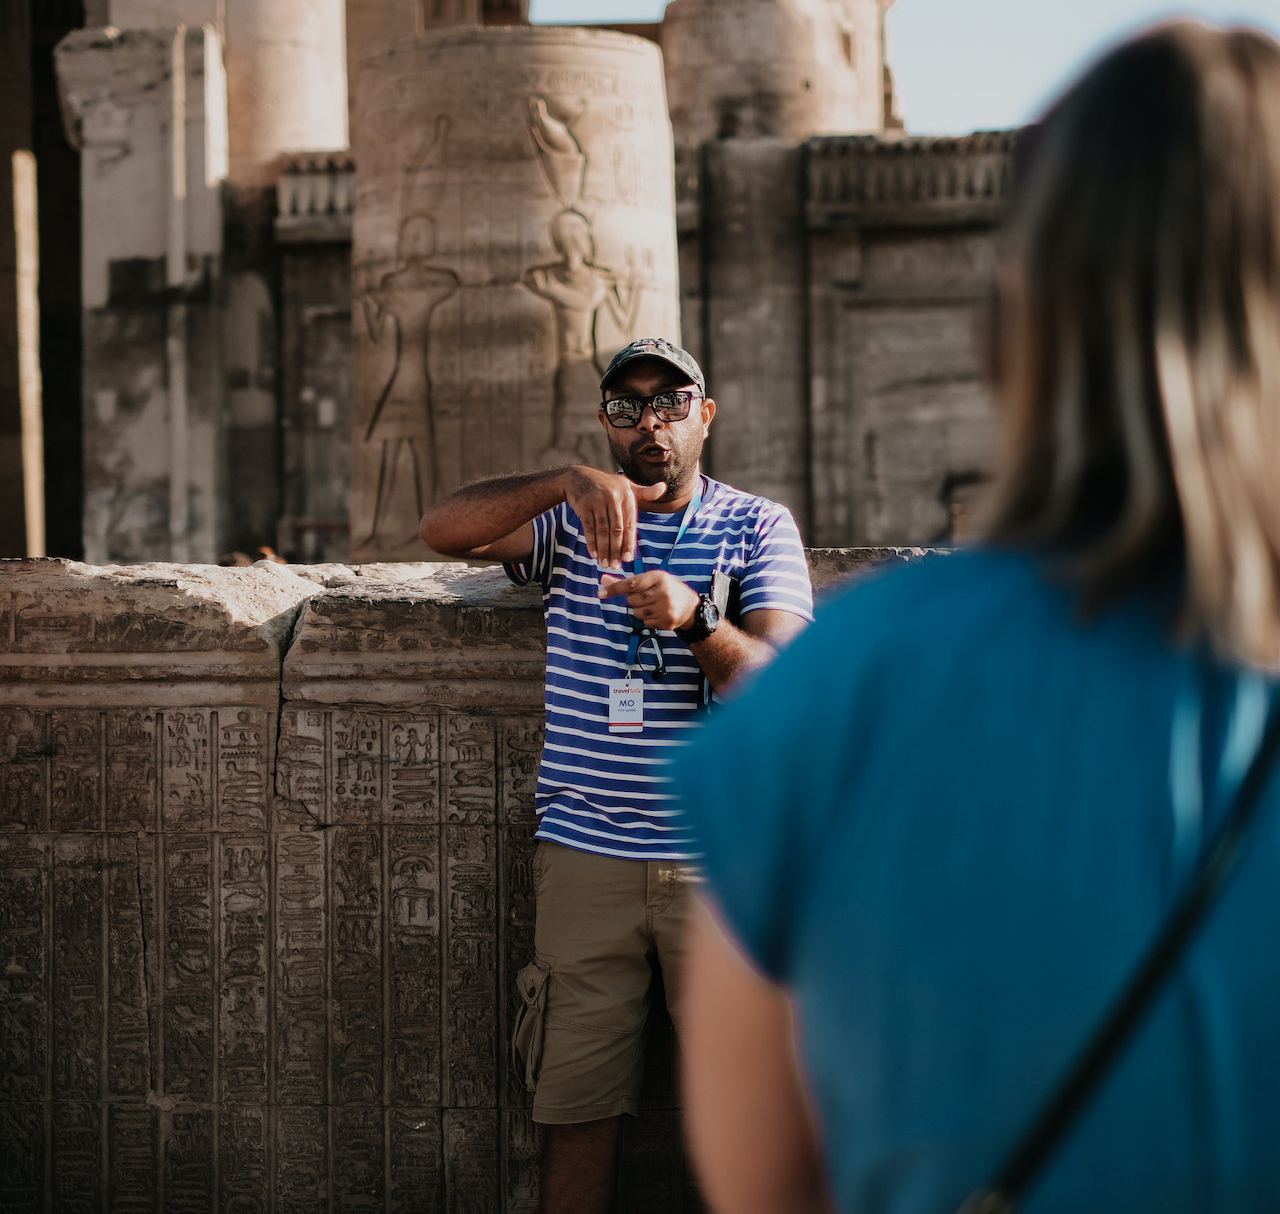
(604,792)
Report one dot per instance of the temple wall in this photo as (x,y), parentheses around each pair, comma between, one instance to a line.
(833,292)
(265,843)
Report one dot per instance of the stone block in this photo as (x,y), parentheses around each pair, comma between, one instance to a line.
(265,883)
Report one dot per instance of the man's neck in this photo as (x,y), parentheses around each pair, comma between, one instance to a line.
(670,505)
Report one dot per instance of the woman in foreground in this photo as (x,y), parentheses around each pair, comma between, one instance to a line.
(944,826)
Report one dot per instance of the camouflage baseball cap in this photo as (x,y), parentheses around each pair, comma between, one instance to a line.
(656,347)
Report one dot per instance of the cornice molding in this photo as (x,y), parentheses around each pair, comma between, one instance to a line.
(869,181)
(315,197)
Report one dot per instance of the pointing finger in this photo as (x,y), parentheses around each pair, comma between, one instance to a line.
(611,586)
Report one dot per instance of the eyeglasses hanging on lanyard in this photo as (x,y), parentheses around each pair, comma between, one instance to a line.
(645,640)
(642,636)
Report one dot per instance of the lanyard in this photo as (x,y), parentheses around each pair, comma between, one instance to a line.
(637,566)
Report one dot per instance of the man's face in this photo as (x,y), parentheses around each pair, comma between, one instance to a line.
(654,450)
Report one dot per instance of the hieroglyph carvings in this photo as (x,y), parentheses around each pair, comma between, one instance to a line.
(514,226)
(265,884)
(577,287)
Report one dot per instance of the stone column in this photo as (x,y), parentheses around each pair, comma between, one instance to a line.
(371,23)
(143,108)
(21,473)
(286,79)
(286,93)
(286,83)
(514,227)
(784,68)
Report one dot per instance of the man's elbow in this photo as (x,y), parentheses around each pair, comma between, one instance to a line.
(435,531)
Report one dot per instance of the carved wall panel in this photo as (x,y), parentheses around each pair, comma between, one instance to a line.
(514,226)
(264,891)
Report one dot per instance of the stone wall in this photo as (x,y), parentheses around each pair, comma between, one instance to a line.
(265,840)
(313,242)
(832,291)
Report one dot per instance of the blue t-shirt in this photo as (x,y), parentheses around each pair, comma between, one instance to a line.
(952,835)
(603,791)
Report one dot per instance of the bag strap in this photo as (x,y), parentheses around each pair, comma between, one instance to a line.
(1060,1111)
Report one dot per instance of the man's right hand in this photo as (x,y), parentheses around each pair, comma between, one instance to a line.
(493,518)
(606,504)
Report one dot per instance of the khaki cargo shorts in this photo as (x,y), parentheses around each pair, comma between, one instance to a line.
(602,924)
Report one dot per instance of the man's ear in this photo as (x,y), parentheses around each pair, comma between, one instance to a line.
(603,419)
(708,412)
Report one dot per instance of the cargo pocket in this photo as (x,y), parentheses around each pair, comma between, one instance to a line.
(526,1033)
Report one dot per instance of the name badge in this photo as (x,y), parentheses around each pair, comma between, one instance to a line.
(626,706)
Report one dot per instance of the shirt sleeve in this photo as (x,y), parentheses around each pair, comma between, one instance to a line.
(777,574)
(538,567)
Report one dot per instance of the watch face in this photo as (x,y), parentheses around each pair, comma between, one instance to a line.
(708,614)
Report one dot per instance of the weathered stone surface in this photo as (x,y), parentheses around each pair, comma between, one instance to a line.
(754,308)
(786,69)
(925,181)
(459,637)
(314,230)
(901,412)
(514,227)
(145,109)
(259,932)
(154,633)
(285,72)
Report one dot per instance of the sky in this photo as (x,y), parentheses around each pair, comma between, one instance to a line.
(967,65)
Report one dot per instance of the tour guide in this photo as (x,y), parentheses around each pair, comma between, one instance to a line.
(625,562)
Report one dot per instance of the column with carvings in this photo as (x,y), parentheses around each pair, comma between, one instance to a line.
(514,227)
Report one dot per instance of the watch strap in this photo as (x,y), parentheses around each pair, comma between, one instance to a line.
(706,619)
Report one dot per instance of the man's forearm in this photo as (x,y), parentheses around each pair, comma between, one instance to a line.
(485,511)
(728,653)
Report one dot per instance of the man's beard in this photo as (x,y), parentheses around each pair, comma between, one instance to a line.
(677,472)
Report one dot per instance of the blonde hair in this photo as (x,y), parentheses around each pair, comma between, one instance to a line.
(1136,334)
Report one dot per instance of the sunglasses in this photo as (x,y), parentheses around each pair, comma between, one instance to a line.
(626,411)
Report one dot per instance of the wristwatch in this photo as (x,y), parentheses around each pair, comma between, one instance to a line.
(706,619)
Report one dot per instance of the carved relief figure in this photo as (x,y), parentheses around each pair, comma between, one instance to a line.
(398,309)
(403,419)
(577,288)
(559,154)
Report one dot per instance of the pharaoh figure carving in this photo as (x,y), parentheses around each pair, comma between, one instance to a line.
(398,311)
(577,288)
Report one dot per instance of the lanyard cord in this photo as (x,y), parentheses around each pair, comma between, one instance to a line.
(637,566)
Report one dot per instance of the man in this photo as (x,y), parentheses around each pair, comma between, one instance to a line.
(626,564)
